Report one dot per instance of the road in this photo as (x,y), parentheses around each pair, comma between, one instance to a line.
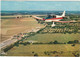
(7,42)
(13,40)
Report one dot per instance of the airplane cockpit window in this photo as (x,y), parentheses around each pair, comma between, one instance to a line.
(50,16)
(54,16)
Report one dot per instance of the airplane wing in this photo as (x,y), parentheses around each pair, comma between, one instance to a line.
(65,21)
(62,22)
(38,18)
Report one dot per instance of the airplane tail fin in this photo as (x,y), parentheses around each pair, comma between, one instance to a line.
(63,15)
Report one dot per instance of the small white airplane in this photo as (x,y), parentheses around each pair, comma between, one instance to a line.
(54,18)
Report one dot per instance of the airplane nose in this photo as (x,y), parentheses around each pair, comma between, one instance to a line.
(43,19)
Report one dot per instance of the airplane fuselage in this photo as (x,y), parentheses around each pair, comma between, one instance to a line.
(53,19)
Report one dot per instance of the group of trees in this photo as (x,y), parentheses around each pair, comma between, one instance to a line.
(69,42)
(52,52)
(52,42)
(24,43)
(8,48)
(75,53)
(60,29)
(56,42)
(11,46)
(35,54)
(72,42)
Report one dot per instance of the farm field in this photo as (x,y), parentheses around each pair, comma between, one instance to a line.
(56,36)
(40,28)
(30,50)
(10,27)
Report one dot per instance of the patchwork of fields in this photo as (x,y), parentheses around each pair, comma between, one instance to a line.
(10,27)
(47,49)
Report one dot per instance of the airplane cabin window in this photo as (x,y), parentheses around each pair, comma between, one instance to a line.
(48,17)
(54,16)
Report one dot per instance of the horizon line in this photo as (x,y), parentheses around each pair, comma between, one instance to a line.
(40,10)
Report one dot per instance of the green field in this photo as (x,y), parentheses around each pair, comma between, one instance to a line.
(61,49)
(52,37)
(40,49)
